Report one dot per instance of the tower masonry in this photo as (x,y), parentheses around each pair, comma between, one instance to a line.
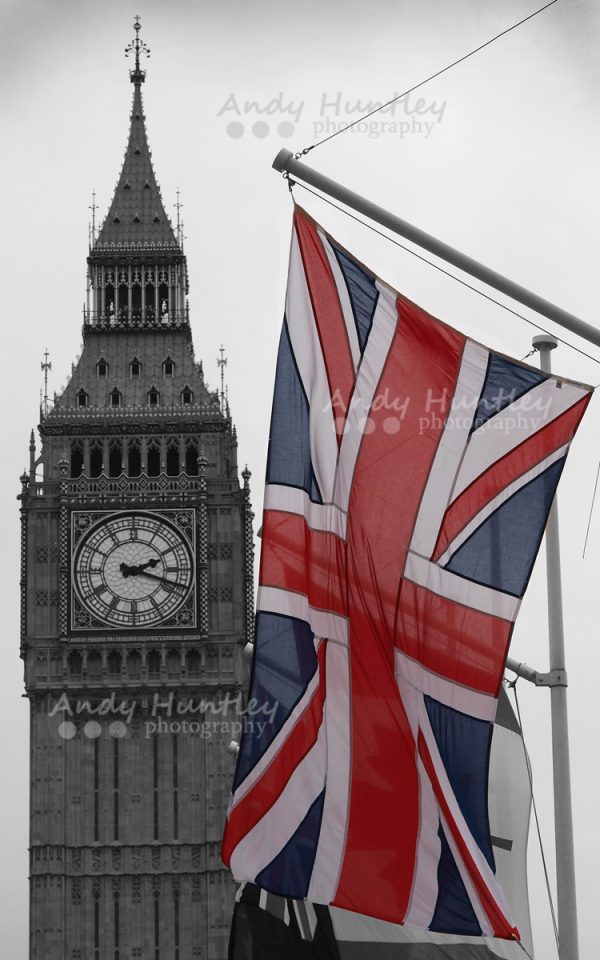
(136,604)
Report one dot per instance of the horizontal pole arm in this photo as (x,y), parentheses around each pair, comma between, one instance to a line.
(554,678)
(286,162)
(521,669)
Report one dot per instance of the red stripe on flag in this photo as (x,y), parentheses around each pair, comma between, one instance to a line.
(329,318)
(301,739)
(464,645)
(513,465)
(389,480)
(499,923)
(310,562)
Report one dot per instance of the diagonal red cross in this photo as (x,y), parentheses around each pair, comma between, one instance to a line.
(361,578)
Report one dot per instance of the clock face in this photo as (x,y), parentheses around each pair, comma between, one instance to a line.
(134,570)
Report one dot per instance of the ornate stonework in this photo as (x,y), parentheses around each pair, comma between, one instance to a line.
(131,715)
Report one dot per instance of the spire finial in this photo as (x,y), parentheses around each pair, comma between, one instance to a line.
(222,363)
(137,46)
(46,366)
(178,207)
(93,207)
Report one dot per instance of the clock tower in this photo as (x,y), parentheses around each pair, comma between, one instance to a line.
(137,601)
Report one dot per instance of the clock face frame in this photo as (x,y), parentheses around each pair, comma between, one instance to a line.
(133,570)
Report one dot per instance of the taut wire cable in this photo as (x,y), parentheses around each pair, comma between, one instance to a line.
(422,83)
(419,256)
(587,532)
(513,684)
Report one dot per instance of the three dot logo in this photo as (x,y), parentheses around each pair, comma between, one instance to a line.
(92,729)
(260,129)
(276,116)
(366,425)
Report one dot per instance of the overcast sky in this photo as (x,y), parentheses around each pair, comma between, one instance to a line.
(500,160)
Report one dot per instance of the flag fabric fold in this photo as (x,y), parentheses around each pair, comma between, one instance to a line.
(409,477)
(266,925)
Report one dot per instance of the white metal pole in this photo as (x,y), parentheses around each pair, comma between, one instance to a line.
(563,816)
(286,161)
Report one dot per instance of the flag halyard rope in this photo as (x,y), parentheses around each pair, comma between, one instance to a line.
(447,273)
(513,685)
(438,73)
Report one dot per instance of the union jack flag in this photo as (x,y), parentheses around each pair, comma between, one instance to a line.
(409,478)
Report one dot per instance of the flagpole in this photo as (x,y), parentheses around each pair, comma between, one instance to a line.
(557,681)
(286,162)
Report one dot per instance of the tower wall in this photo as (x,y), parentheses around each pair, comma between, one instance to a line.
(136,602)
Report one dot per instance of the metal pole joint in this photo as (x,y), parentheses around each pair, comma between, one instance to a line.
(286,162)
(554,678)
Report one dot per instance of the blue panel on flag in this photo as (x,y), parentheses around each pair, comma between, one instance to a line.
(283,663)
(464,745)
(289,460)
(501,552)
(453,910)
(362,292)
(292,867)
(505,382)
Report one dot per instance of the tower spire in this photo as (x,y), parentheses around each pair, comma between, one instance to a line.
(93,207)
(178,207)
(46,365)
(136,263)
(137,46)
(222,363)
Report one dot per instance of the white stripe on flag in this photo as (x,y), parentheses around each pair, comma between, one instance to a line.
(478,910)
(520,420)
(424,892)
(385,320)
(453,587)
(332,835)
(453,695)
(493,505)
(278,742)
(305,342)
(266,839)
(487,875)
(344,298)
(319,516)
(323,623)
(451,448)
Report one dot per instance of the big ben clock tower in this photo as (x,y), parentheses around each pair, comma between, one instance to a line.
(136,597)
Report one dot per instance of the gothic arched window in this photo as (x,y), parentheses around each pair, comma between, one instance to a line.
(114,662)
(96,458)
(154,662)
(134,664)
(153,458)
(153,397)
(191,458)
(76,458)
(115,398)
(114,458)
(173,458)
(193,662)
(134,458)
(75,663)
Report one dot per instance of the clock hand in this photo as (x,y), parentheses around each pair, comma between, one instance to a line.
(154,576)
(128,571)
